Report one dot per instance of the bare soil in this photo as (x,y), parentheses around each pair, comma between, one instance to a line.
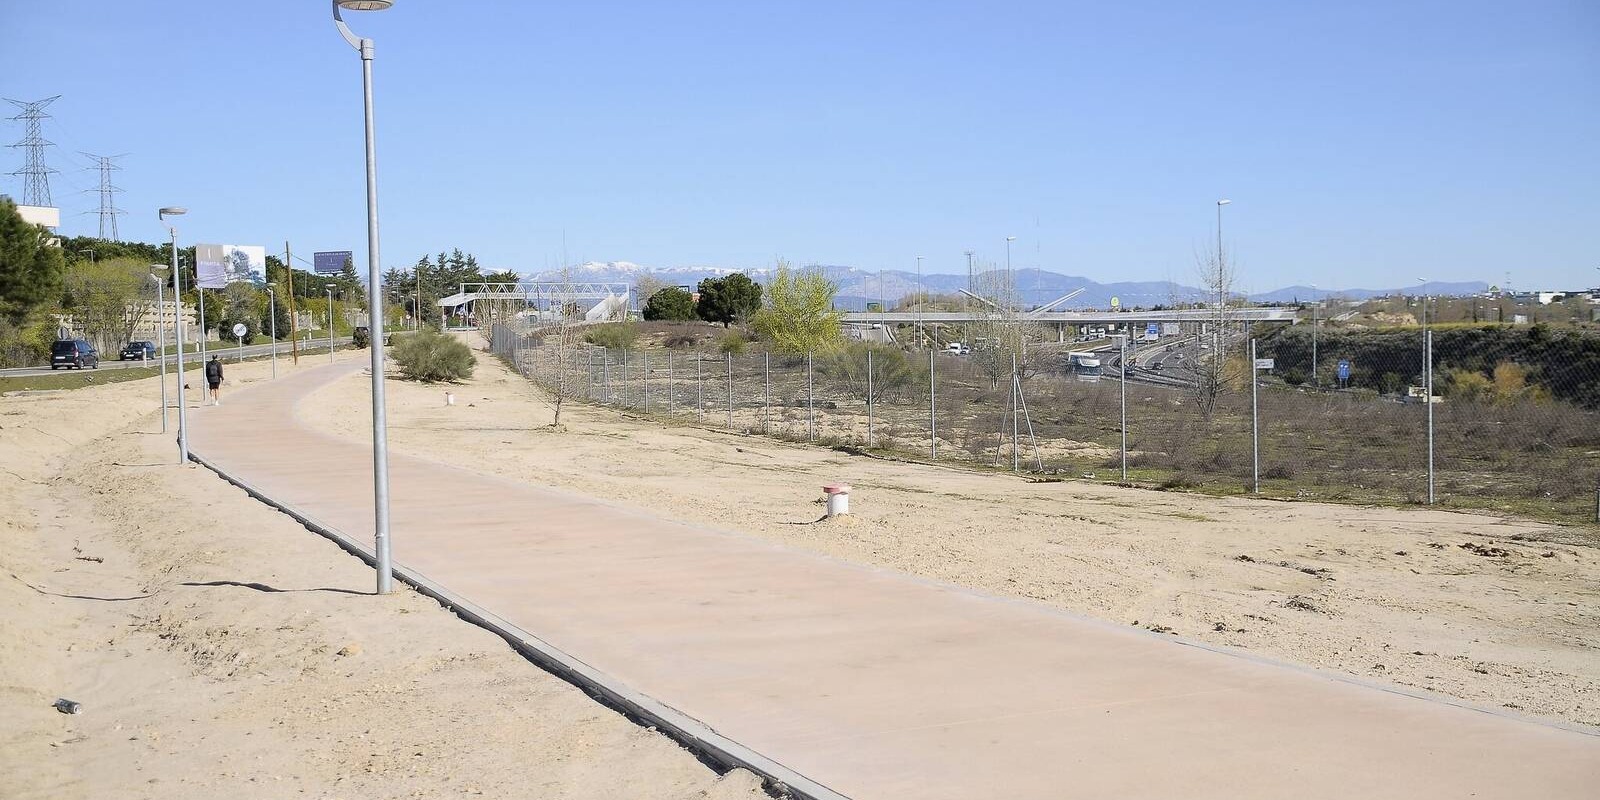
(1499,612)
(218,649)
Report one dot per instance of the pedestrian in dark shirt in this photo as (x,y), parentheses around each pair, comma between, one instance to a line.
(214,379)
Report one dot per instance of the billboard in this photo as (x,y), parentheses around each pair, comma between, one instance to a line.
(217,265)
(210,270)
(245,263)
(331,263)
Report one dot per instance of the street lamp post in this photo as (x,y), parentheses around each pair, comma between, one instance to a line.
(272,317)
(90,251)
(329,287)
(380,437)
(161,338)
(1222,286)
(1010,279)
(177,318)
(1314,304)
(919,308)
(1427,381)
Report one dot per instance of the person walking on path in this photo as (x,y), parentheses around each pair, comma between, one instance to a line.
(214,379)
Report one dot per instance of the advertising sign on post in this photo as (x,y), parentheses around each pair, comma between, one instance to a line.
(1344,372)
(245,263)
(332,262)
(211,269)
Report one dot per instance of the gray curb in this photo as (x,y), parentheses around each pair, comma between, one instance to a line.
(694,735)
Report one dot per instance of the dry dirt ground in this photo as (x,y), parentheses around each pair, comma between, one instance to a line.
(1497,612)
(221,650)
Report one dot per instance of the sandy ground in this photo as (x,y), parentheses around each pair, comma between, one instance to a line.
(220,650)
(1499,613)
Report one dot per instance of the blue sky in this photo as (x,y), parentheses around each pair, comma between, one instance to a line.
(1362,143)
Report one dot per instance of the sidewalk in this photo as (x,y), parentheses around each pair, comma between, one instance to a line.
(880,685)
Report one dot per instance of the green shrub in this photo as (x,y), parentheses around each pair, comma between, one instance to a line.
(360,338)
(431,356)
(613,335)
(732,343)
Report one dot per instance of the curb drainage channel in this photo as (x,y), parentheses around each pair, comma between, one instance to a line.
(709,746)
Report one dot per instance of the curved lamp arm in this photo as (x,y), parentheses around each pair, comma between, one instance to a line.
(363,46)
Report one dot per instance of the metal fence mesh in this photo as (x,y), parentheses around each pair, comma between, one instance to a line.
(1336,416)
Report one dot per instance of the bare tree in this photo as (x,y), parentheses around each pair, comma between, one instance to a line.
(1002,337)
(1215,373)
(564,342)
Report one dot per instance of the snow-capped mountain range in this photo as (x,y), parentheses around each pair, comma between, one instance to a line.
(858,287)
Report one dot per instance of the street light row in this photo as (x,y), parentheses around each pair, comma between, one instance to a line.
(380,447)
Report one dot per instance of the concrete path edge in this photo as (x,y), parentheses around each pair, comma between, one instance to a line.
(643,710)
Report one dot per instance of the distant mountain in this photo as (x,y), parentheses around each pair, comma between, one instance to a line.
(1035,287)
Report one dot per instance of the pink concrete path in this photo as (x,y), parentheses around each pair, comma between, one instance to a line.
(880,685)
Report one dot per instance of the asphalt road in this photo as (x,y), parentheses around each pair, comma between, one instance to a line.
(227,354)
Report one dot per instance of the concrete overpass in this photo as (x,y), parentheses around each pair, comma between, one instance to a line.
(1190,315)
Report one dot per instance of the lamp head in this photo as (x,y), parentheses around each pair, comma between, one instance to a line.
(1011,238)
(171,211)
(365,5)
(1224,202)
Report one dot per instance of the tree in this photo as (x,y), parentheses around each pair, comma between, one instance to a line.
(798,316)
(645,287)
(724,300)
(104,298)
(1000,338)
(670,303)
(502,276)
(30,270)
(1215,373)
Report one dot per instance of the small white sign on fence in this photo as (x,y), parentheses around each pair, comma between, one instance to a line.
(1263,363)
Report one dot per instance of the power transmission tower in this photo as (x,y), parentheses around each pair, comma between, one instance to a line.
(108,205)
(36,176)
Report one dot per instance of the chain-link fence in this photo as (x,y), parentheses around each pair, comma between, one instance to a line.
(1513,426)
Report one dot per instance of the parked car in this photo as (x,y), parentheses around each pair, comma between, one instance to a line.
(138,351)
(74,353)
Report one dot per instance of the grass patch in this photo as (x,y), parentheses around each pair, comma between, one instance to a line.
(77,379)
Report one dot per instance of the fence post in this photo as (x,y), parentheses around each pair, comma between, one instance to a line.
(729,357)
(647,383)
(933,423)
(1255,421)
(869,397)
(1427,351)
(1122,362)
(605,371)
(623,364)
(699,388)
(669,383)
(766,390)
(811,414)
(1016,433)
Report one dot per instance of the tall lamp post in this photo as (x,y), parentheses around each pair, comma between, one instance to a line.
(1222,286)
(380,436)
(1314,304)
(272,317)
(329,287)
(924,297)
(161,337)
(177,318)
(1427,380)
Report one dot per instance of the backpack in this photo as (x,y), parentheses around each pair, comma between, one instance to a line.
(213,370)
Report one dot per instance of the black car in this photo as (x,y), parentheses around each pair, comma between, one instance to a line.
(74,353)
(138,351)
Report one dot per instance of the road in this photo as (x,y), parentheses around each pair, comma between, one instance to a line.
(229,353)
